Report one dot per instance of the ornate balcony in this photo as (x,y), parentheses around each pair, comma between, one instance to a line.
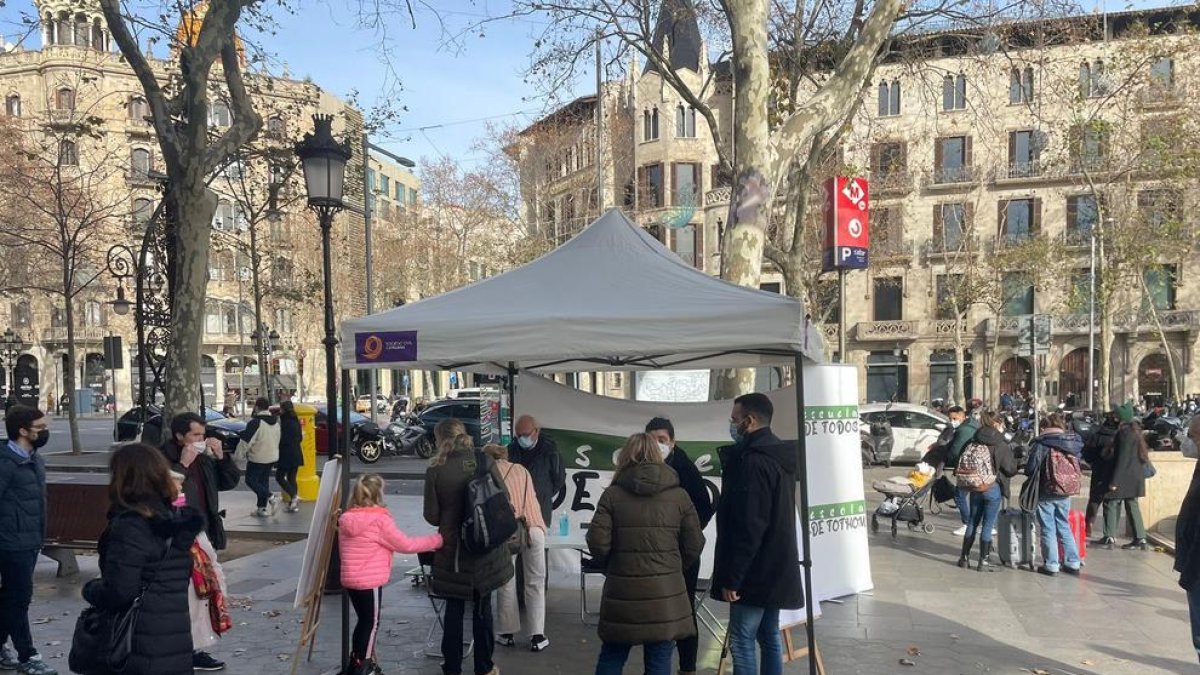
(1161,96)
(944,328)
(891,183)
(720,195)
(82,334)
(1077,324)
(886,331)
(1015,172)
(1077,238)
(950,246)
(830,332)
(951,177)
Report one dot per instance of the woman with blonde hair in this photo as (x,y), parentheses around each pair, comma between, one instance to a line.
(532,551)
(647,532)
(460,576)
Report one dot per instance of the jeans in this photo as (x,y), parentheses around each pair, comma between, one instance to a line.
(962,499)
(258,479)
(1052,521)
(750,628)
(689,646)
(657,657)
(1193,597)
(481,630)
(286,478)
(533,564)
(16,591)
(985,509)
(1112,516)
(367,605)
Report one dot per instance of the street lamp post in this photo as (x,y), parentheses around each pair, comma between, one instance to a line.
(11,345)
(268,342)
(324,162)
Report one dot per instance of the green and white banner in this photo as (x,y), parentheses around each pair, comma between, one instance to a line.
(589,430)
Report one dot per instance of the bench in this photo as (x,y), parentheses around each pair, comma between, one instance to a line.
(76,515)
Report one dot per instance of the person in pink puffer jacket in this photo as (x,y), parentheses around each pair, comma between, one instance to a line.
(367,538)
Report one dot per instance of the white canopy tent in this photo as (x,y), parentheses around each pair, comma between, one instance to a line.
(612,298)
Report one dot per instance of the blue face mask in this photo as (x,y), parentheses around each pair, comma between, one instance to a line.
(525,442)
(734,432)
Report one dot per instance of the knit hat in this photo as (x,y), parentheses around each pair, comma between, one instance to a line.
(1124,412)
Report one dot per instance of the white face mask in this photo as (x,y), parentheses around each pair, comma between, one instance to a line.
(665,449)
(954,424)
(201,447)
(1188,447)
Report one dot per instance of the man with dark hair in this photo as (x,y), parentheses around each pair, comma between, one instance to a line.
(22,531)
(756,564)
(693,484)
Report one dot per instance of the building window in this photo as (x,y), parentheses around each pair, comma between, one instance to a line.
(12,105)
(952,160)
(385,185)
(68,154)
(948,297)
(1089,146)
(140,164)
(888,297)
(1018,294)
(82,30)
(650,125)
(412,196)
(142,210)
(685,122)
(889,98)
(139,110)
(683,242)
(275,127)
(685,184)
(1019,220)
(218,115)
(888,160)
(650,184)
(1160,286)
(216,266)
(1020,85)
(1024,151)
(950,223)
(1079,300)
(283,321)
(64,99)
(399,194)
(1083,213)
(1091,79)
(93,314)
(21,314)
(1158,209)
(282,274)
(1162,73)
(954,92)
(223,218)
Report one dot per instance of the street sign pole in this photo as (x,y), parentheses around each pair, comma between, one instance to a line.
(1033,351)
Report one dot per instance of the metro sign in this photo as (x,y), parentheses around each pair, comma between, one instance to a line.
(847,237)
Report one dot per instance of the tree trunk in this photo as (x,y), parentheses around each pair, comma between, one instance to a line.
(70,383)
(263,341)
(1176,384)
(191,218)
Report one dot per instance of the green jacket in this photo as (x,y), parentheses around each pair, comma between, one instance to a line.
(963,435)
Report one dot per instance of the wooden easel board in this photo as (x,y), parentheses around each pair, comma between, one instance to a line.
(314,566)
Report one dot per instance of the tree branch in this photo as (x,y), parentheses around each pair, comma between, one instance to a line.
(246,120)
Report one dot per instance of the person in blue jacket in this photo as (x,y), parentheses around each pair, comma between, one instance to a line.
(1053,507)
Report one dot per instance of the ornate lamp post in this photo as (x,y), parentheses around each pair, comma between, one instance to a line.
(324,161)
(11,345)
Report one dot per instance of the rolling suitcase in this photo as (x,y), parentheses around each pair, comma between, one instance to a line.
(1078,523)
(1015,538)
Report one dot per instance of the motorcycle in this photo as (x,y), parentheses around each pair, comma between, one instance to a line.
(1164,433)
(417,440)
(383,442)
(877,442)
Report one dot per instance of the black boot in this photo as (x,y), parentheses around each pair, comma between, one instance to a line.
(1105,542)
(985,550)
(1136,543)
(968,542)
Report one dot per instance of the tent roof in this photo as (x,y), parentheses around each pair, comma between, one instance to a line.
(611,298)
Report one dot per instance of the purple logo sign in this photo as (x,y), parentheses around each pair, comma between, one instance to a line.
(387,346)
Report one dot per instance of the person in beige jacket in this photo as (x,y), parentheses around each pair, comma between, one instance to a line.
(260,449)
(532,558)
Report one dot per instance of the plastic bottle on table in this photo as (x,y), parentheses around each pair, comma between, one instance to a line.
(564,525)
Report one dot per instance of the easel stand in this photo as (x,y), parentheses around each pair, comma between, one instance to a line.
(791,651)
(312,603)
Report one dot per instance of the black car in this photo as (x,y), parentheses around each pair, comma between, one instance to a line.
(418,437)
(227,429)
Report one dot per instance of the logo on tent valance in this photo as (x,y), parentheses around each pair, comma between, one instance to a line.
(387,346)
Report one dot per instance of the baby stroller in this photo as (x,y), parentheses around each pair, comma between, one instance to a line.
(903,505)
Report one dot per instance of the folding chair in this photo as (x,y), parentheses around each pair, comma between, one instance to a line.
(587,565)
(704,615)
(422,575)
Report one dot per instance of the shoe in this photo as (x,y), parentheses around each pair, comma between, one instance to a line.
(8,659)
(960,531)
(1136,544)
(273,503)
(538,643)
(373,668)
(1073,571)
(1042,569)
(294,505)
(204,661)
(985,550)
(262,512)
(1105,542)
(506,640)
(35,666)
(963,562)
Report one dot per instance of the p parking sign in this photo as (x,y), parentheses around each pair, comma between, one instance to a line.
(847,230)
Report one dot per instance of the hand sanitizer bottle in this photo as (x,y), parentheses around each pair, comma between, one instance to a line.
(564,525)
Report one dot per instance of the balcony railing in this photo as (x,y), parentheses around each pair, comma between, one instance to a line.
(887,247)
(949,246)
(1088,164)
(1010,240)
(830,332)
(949,176)
(82,334)
(1017,171)
(720,195)
(891,182)
(1162,95)
(867,331)
(1078,324)
(1077,238)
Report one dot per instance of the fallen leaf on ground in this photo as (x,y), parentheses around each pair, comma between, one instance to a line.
(914,650)
(272,613)
(1088,662)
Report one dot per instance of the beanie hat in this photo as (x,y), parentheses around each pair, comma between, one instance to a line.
(1124,413)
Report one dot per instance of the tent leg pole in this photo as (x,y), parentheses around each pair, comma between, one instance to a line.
(512,399)
(805,537)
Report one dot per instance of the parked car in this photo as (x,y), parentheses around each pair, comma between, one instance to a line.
(363,404)
(361,428)
(914,427)
(469,392)
(227,429)
(418,436)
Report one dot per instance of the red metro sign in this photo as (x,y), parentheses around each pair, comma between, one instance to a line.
(846,230)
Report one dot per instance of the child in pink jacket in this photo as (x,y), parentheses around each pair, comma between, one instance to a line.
(367,538)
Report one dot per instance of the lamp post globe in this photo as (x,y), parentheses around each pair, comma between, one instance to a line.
(121,304)
(324,162)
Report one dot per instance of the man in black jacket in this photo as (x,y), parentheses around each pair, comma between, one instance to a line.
(756,566)
(693,484)
(539,455)
(1187,533)
(22,531)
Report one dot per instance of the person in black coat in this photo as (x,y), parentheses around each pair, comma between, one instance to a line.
(1093,454)
(208,469)
(1187,533)
(693,484)
(986,503)
(539,455)
(148,543)
(290,456)
(756,563)
(1128,456)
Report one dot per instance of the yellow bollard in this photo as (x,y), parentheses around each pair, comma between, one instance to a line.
(306,478)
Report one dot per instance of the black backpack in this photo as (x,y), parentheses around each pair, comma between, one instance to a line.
(488,517)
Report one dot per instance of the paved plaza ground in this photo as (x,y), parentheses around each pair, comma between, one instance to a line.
(1125,615)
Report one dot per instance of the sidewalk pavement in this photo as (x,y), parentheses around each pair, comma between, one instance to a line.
(1125,615)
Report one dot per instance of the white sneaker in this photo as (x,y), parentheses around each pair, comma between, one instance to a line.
(294,505)
(263,512)
(960,531)
(273,503)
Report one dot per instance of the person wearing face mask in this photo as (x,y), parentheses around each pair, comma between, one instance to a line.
(693,484)
(756,562)
(539,455)
(964,428)
(1187,534)
(987,498)
(22,529)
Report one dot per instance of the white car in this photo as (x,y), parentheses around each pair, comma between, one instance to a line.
(914,427)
